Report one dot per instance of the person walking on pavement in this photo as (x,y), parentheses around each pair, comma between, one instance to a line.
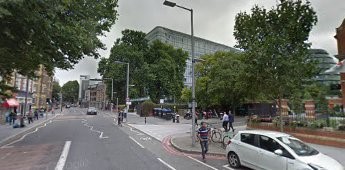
(119,118)
(36,114)
(12,117)
(30,116)
(203,136)
(225,121)
(231,120)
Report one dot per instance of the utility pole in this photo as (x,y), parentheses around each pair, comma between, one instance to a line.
(26,102)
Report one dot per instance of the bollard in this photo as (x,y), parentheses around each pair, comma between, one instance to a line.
(177,118)
(145,120)
(173,118)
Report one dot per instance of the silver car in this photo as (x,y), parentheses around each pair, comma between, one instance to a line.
(91,111)
(260,149)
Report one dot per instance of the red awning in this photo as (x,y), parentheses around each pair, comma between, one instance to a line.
(11,103)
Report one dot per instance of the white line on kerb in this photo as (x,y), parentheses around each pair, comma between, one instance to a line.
(202,163)
(227,167)
(166,164)
(61,163)
(136,142)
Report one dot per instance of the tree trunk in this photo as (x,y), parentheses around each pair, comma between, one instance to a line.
(280,113)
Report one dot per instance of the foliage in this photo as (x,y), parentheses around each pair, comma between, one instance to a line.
(218,82)
(186,95)
(155,70)
(54,33)
(5,90)
(276,48)
(56,91)
(70,91)
(147,108)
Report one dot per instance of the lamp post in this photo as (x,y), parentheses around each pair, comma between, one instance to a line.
(127,85)
(173,4)
(112,93)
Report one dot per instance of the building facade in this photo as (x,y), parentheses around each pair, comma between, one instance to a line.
(97,95)
(39,89)
(183,41)
(340,37)
(324,63)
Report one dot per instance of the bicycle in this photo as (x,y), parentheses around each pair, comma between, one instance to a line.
(226,138)
(216,135)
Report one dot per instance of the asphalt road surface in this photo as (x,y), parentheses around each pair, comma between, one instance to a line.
(76,141)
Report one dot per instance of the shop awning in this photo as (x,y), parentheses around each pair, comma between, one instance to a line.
(11,103)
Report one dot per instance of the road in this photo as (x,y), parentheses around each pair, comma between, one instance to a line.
(96,142)
(75,141)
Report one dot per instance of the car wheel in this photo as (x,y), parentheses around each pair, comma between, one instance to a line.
(233,160)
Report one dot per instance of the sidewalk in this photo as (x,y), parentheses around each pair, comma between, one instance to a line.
(184,144)
(7,132)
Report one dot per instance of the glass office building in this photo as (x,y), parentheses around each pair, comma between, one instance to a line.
(183,41)
(327,66)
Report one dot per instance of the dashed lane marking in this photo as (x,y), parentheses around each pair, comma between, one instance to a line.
(62,160)
(202,163)
(166,164)
(136,142)
(84,121)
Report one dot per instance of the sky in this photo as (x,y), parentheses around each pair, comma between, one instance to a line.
(213,21)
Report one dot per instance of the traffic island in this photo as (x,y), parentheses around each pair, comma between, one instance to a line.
(184,144)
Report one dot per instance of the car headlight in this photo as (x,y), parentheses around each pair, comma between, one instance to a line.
(316,167)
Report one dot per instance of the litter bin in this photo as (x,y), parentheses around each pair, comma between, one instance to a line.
(177,118)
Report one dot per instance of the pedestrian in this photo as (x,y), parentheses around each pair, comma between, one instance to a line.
(119,118)
(36,114)
(225,121)
(203,136)
(231,120)
(12,117)
(30,116)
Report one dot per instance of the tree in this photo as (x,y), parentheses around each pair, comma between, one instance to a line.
(56,34)
(186,95)
(275,47)
(131,48)
(56,91)
(70,91)
(155,70)
(166,67)
(218,80)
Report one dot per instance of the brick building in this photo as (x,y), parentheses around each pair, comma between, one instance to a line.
(340,36)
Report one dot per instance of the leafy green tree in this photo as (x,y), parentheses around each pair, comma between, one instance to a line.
(70,91)
(218,80)
(54,33)
(166,67)
(131,48)
(155,70)
(56,91)
(186,95)
(276,48)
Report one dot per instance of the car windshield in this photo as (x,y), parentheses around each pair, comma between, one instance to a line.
(92,108)
(300,148)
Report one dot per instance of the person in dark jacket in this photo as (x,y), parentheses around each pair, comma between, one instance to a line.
(231,120)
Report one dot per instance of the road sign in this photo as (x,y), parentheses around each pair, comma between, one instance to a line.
(127,99)
(128,103)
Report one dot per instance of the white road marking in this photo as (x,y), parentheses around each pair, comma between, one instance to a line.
(227,167)
(84,121)
(136,142)
(166,164)
(103,137)
(61,163)
(202,163)
(20,139)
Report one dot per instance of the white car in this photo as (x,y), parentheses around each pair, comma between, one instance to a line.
(260,149)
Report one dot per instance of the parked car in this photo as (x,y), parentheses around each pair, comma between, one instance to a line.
(91,111)
(259,149)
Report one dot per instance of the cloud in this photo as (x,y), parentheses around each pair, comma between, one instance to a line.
(213,20)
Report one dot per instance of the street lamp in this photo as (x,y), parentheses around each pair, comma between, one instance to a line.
(112,93)
(127,84)
(173,4)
